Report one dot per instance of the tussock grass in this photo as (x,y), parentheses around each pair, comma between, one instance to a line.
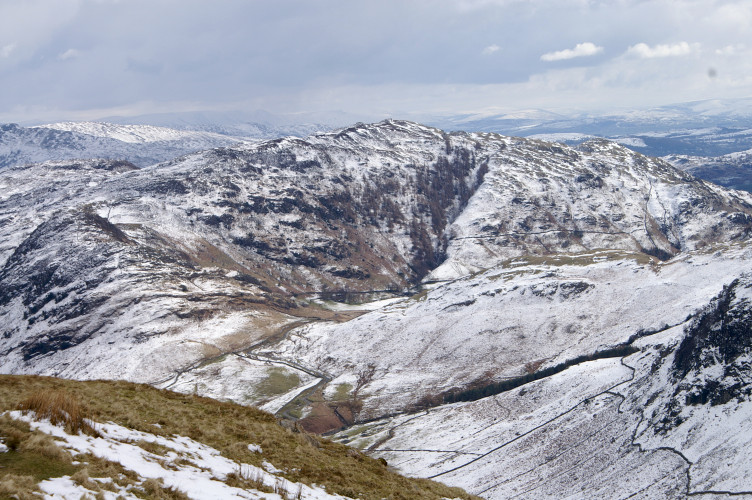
(304,458)
(248,479)
(61,408)
(82,477)
(153,488)
(152,447)
(22,487)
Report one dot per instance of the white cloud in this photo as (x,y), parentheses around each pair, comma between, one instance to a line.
(69,54)
(730,50)
(733,16)
(580,50)
(645,51)
(491,49)
(6,50)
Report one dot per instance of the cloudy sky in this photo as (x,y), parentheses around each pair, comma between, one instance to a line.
(86,59)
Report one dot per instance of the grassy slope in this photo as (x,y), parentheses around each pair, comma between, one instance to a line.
(225,426)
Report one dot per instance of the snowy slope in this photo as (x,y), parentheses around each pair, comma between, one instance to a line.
(509,262)
(540,198)
(135,134)
(194,469)
(141,145)
(507,322)
(668,421)
(372,207)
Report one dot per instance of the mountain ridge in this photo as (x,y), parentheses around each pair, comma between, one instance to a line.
(142,145)
(501,258)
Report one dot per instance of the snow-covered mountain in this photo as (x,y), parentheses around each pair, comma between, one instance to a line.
(258,124)
(705,136)
(733,170)
(708,128)
(135,134)
(141,145)
(540,305)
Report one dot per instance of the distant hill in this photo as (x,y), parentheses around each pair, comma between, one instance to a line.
(139,145)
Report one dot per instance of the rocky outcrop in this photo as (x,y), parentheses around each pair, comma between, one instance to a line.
(711,366)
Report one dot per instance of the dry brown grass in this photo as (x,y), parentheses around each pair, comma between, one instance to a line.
(82,477)
(246,478)
(18,486)
(61,408)
(34,456)
(153,488)
(532,366)
(306,458)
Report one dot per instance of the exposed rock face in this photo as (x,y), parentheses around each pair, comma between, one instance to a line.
(711,366)
(351,213)
(56,286)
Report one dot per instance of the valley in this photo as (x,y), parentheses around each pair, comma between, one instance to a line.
(547,320)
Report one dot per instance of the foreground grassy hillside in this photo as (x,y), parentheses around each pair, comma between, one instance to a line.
(229,428)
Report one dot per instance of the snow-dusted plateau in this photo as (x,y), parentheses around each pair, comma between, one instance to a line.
(138,144)
(520,318)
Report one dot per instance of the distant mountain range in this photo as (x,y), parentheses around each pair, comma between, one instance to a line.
(706,128)
(140,142)
(732,170)
(257,124)
(703,137)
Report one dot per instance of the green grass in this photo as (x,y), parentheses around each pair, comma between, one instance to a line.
(225,426)
(31,453)
(35,464)
(278,381)
(212,361)
(581,259)
(342,392)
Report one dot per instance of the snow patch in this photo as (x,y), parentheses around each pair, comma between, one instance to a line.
(202,479)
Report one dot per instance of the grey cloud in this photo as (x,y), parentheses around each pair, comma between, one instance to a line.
(145,67)
(277,53)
